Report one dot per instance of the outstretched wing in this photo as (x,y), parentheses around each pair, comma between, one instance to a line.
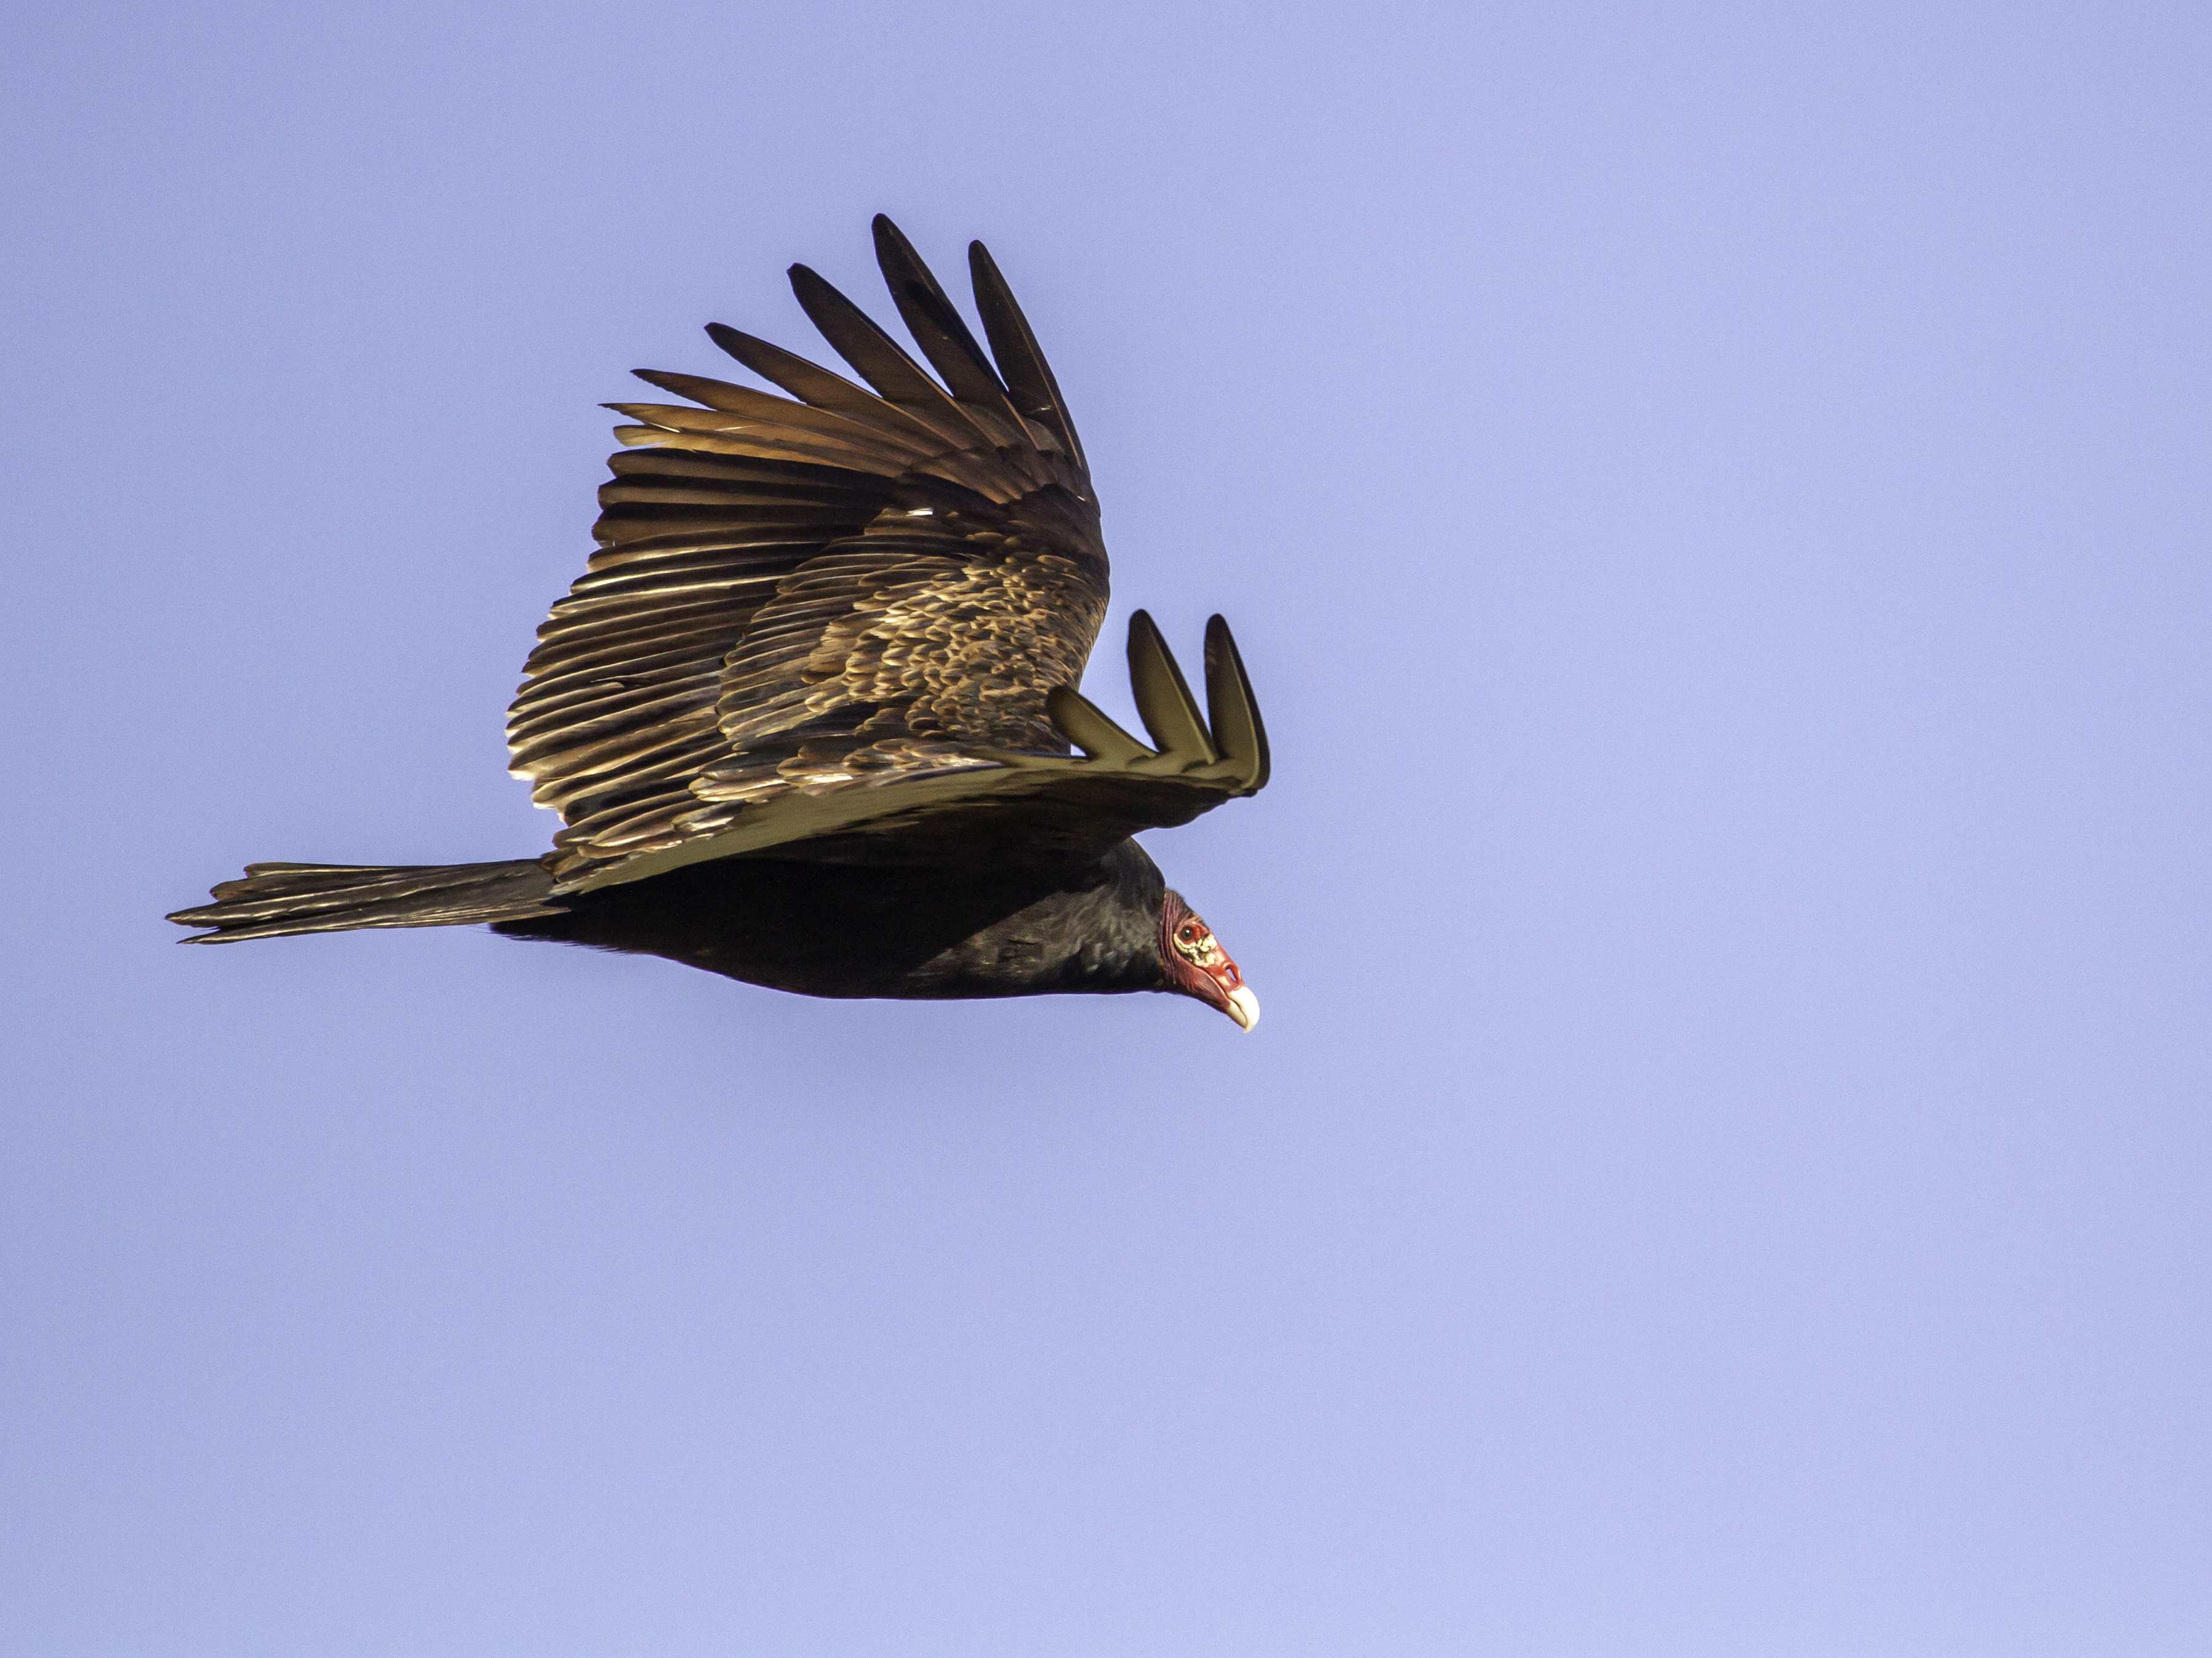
(1016,807)
(846,624)
(802,592)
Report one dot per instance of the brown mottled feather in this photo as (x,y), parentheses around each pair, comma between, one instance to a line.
(812,591)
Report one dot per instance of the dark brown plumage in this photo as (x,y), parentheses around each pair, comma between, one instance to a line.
(808,715)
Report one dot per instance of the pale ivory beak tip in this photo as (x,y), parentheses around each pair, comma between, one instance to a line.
(1245,1007)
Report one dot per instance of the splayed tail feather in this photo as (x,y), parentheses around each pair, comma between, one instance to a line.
(277,899)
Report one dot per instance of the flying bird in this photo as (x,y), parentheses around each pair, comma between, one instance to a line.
(810,716)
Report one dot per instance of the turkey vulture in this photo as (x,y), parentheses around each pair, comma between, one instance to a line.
(808,715)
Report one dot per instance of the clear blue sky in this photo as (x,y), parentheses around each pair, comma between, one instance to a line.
(1715,500)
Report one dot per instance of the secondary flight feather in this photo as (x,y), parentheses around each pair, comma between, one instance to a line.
(810,715)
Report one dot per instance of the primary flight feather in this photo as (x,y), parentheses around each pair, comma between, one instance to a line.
(808,717)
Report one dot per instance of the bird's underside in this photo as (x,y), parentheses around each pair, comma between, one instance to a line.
(833,628)
(847,930)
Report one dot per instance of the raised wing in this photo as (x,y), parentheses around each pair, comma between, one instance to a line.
(843,587)
(1018,807)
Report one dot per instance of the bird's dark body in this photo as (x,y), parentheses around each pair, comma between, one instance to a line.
(847,930)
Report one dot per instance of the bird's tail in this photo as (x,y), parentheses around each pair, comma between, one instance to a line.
(275,899)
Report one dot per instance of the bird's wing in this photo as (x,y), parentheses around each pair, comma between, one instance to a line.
(1016,807)
(838,588)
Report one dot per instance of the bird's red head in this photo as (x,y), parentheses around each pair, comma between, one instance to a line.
(1198,966)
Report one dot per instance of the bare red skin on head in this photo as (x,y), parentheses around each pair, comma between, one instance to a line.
(1196,963)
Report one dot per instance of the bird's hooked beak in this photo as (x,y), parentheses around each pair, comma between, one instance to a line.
(1244,1007)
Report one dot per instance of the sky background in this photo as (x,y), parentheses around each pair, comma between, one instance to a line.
(1715,501)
